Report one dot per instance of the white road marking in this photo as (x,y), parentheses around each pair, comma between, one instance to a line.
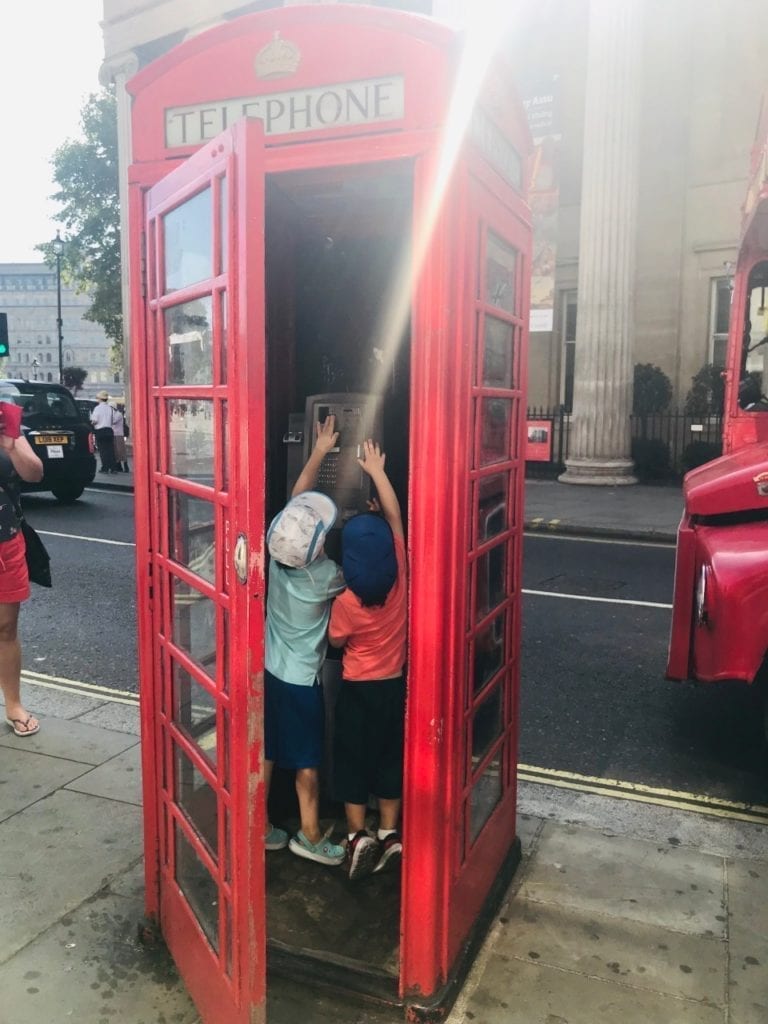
(91,540)
(600,600)
(105,490)
(540,534)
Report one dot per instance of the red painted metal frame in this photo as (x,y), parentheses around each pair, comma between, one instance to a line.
(237,508)
(443,891)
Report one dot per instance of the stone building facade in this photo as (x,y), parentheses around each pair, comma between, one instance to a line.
(673,202)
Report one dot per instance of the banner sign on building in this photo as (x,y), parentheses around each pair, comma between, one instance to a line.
(544,199)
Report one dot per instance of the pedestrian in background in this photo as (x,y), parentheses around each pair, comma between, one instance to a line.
(102,420)
(120,431)
(17,461)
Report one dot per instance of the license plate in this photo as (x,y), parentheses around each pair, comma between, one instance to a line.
(55,451)
(51,439)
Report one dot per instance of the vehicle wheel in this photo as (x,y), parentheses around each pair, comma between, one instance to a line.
(67,493)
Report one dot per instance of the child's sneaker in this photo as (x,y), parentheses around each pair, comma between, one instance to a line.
(363,853)
(390,852)
(275,839)
(324,852)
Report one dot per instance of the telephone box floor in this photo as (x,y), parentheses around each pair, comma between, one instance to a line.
(316,909)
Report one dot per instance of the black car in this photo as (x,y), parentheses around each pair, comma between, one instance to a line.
(57,432)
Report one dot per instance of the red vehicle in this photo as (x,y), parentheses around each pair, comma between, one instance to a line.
(720,612)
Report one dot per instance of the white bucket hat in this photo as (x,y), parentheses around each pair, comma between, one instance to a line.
(295,536)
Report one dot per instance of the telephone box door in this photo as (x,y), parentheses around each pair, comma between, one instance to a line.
(202,393)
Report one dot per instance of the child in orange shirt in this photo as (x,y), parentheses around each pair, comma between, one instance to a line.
(369,621)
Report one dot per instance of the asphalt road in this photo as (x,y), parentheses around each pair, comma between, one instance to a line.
(594,698)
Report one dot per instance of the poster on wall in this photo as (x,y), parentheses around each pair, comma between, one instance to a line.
(544,198)
(538,445)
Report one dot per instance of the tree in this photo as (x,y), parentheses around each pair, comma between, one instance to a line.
(86,172)
(652,390)
(73,377)
(706,394)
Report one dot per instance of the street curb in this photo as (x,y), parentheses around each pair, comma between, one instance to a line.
(97,485)
(598,532)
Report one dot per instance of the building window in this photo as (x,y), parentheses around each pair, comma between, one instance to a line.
(719,318)
(50,377)
(47,357)
(568,332)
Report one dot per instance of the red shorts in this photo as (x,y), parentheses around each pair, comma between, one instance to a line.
(14,577)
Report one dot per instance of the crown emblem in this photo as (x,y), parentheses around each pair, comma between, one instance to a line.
(279,57)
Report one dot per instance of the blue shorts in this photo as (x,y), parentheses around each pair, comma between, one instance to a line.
(294,723)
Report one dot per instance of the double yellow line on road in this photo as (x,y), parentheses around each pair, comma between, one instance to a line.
(700,803)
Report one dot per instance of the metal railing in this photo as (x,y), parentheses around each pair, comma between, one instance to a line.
(664,445)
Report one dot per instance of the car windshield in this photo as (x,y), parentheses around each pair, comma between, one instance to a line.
(40,402)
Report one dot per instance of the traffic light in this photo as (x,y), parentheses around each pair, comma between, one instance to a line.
(5,348)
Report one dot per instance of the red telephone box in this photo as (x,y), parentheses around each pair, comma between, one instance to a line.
(318,206)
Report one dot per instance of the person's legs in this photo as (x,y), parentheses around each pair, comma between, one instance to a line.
(389,814)
(308,792)
(10,670)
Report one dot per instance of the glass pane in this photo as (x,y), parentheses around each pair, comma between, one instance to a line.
(200,890)
(498,357)
(485,795)
(224,651)
(194,624)
(188,242)
(224,310)
(224,224)
(194,711)
(491,580)
(495,417)
(722,306)
(489,652)
(501,260)
(192,540)
(189,335)
(493,492)
(190,440)
(225,446)
(486,723)
(197,799)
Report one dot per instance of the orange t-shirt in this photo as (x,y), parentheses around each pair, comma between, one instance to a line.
(374,638)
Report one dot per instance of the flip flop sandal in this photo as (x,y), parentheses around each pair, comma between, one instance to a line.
(16,722)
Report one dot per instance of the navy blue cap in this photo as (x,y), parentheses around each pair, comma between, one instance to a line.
(368,557)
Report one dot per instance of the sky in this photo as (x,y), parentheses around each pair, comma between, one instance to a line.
(52,51)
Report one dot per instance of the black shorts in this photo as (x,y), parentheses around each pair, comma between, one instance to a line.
(368,740)
(294,723)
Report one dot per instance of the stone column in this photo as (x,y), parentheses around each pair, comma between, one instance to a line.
(600,431)
(118,70)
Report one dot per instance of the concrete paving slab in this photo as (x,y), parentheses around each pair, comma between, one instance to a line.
(672,887)
(56,854)
(130,883)
(88,968)
(510,992)
(721,837)
(114,716)
(614,949)
(49,703)
(26,777)
(118,779)
(747,902)
(73,741)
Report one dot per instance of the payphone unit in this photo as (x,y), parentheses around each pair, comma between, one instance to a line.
(358,417)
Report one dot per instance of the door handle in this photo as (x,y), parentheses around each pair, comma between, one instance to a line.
(240,558)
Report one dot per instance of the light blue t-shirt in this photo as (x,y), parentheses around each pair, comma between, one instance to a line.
(298,607)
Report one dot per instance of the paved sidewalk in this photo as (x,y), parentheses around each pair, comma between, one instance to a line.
(638,511)
(642,915)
